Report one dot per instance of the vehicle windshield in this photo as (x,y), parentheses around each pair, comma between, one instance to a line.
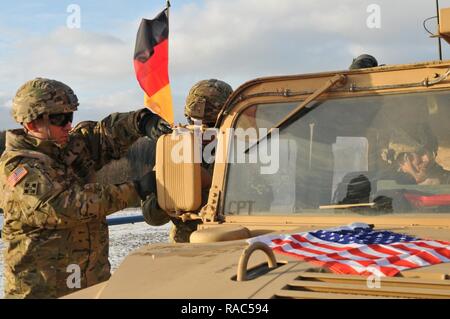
(369,155)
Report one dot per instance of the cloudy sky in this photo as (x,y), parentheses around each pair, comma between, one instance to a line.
(233,40)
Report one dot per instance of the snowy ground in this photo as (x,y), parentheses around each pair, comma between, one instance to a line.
(123,239)
(128,237)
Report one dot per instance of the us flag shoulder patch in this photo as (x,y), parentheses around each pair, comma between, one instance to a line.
(17,175)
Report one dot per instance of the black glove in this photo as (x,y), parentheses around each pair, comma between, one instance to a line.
(153,214)
(146,185)
(153,126)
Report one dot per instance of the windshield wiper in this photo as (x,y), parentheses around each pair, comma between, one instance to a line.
(337,79)
(345,206)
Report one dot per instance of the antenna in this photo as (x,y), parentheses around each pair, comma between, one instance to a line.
(439,38)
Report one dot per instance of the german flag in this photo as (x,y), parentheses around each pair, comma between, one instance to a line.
(151,62)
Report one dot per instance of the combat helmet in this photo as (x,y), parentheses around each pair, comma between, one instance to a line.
(363,61)
(418,139)
(42,96)
(206,99)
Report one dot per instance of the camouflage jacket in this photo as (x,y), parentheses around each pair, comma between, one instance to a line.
(54,212)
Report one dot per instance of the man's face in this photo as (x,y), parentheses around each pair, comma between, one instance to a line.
(417,164)
(425,160)
(60,134)
(56,128)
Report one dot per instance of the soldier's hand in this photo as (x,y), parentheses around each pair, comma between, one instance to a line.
(153,214)
(156,127)
(146,185)
(153,126)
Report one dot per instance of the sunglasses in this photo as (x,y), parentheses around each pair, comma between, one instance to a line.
(60,119)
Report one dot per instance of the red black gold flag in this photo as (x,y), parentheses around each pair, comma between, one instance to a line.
(151,62)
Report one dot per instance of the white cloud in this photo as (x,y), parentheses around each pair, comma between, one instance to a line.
(5,100)
(234,40)
(81,58)
(263,37)
(79,54)
(94,65)
(121,100)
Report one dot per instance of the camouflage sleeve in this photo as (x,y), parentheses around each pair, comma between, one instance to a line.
(40,202)
(106,140)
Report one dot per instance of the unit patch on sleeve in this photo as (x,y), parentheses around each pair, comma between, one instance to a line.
(31,188)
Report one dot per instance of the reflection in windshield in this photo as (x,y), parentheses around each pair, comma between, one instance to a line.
(374,155)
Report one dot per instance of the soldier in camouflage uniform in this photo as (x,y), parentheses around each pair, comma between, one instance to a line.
(203,103)
(54,212)
(413,154)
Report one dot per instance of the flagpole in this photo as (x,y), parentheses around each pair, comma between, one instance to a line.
(439,38)
(168,27)
(168,22)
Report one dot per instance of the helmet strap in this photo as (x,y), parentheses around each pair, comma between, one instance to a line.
(47,127)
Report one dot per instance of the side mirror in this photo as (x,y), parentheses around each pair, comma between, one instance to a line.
(178,172)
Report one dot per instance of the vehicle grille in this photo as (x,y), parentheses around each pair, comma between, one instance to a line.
(326,285)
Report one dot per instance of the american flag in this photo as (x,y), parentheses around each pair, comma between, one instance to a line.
(17,175)
(358,249)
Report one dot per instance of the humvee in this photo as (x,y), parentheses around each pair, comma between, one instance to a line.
(329,128)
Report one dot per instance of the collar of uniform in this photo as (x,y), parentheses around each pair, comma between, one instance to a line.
(20,140)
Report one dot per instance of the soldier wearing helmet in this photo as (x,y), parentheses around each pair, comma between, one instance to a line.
(413,153)
(54,212)
(203,103)
(363,61)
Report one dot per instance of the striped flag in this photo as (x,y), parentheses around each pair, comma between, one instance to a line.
(358,249)
(151,62)
(17,175)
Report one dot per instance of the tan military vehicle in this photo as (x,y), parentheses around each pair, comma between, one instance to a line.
(339,142)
